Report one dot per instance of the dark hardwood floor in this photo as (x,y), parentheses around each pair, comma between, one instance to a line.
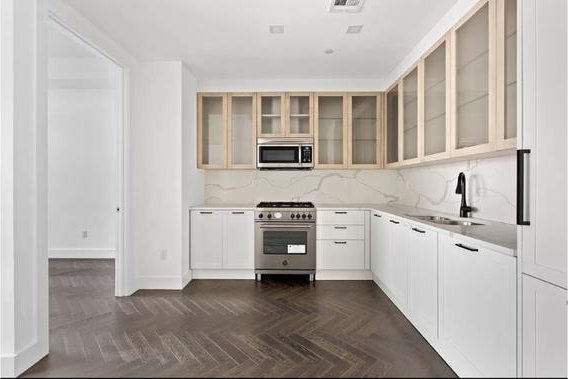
(281,327)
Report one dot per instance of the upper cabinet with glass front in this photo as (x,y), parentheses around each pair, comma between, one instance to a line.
(211,130)
(285,114)
(411,130)
(364,130)
(392,117)
(299,121)
(241,130)
(436,102)
(506,127)
(330,116)
(473,87)
(271,114)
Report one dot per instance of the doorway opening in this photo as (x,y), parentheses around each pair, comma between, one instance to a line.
(85,159)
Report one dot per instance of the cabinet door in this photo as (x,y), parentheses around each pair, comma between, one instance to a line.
(375,242)
(478,331)
(364,129)
(397,264)
(239,251)
(473,85)
(207,239)
(391,129)
(211,130)
(544,329)
(271,110)
(436,115)
(544,43)
(384,256)
(331,130)
(299,121)
(242,130)
(410,128)
(423,280)
(342,254)
(506,123)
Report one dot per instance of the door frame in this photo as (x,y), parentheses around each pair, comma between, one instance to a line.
(122,73)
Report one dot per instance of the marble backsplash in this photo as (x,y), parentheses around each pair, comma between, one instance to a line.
(490,186)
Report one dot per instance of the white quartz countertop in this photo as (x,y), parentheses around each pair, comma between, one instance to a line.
(498,236)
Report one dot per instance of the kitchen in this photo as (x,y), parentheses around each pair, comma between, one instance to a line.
(303,216)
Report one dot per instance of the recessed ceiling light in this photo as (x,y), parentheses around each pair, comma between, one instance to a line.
(354,29)
(329,51)
(276,29)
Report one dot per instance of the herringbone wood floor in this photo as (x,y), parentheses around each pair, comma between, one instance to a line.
(281,327)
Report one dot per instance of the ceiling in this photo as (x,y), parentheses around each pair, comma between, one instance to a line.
(229,39)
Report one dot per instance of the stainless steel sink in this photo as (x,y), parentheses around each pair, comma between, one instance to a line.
(445,220)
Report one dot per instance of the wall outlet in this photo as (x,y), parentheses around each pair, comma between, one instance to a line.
(163,254)
(85,234)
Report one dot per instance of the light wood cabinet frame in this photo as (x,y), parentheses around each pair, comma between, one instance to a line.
(287,131)
(378,130)
(490,145)
(200,97)
(317,164)
(259,97)
(419,111)
(422,143)
(386,164)
(229,144)
(500,36)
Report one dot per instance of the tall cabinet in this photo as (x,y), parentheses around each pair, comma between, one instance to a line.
(542,188)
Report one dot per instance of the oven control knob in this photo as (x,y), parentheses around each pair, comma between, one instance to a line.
(260,215)
(269,215)
(292,215)
(277,215)
(298,215)
(309,216)
(304,215)
(285,262)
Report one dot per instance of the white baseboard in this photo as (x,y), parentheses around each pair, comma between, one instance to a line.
(160,283)
(223,274)
(13,365)
(67,253)
(344,275)
(186,278)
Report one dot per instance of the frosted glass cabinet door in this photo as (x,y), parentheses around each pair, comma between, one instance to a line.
(474,104)
(436,103)
(212,117)
(363,130)
(241,131)
(299,115)
(271,114)
(410,116)
(331,129)
(391,129)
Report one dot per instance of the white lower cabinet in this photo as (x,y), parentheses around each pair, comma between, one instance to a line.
(423,280)
(544,329)
(342,254)
(207,243)
(222,240)
(477,309)
(397,262)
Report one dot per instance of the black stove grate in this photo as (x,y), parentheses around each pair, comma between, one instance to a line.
(285,204)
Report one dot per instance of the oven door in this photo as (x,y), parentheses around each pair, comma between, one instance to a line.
(281,246)
(274,156)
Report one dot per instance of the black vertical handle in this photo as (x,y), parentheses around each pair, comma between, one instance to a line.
(521,186)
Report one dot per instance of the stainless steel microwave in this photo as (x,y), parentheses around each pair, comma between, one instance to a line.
(285,153)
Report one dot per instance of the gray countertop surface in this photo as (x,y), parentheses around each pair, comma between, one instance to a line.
(498,236)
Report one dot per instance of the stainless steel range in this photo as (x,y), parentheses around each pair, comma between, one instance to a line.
(285,238)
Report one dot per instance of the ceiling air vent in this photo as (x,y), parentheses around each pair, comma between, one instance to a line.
(346,5)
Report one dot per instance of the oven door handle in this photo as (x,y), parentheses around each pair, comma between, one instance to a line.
(285,226)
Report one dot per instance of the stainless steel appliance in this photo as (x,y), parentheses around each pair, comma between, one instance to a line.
(285,153)
(285,238)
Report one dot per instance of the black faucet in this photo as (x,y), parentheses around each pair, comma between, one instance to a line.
(465,210)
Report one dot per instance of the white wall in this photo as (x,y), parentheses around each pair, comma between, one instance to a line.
(83,123)
(23,215)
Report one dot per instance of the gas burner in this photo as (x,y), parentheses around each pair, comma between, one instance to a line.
(285,204)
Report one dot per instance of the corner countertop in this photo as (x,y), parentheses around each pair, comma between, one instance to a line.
(498,236)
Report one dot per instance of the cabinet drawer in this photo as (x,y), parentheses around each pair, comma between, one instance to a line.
(341,255)
(341,232)
(341,217)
